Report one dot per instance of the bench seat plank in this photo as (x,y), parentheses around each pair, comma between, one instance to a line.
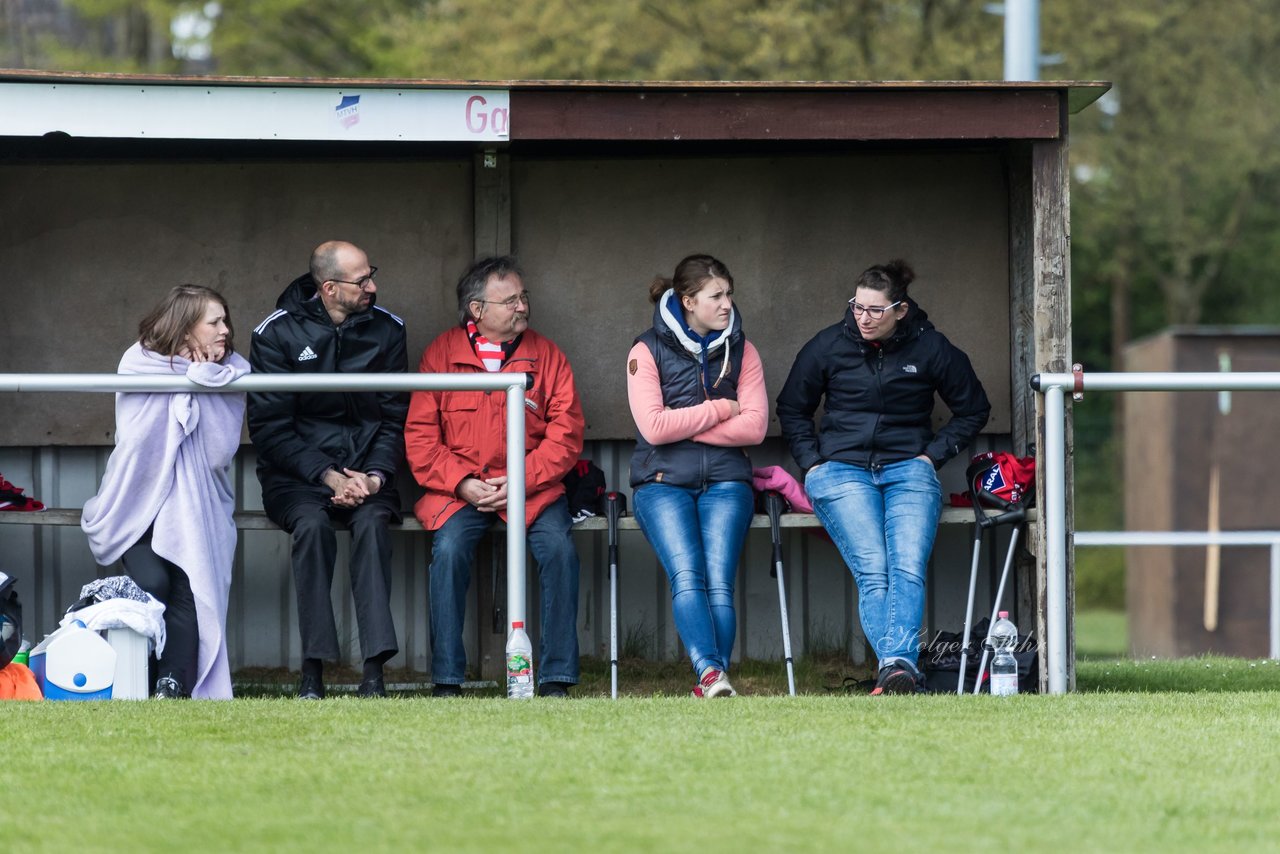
(250,520)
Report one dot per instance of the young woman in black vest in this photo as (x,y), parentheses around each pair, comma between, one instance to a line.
(696,390)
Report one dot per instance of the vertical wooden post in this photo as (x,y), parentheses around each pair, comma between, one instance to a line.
(1051,257)
(1040,320)
(1023,366)
(492,195)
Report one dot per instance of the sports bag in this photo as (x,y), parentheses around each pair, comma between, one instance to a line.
(1010,479)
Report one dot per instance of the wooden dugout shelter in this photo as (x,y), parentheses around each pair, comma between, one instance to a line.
(113,188)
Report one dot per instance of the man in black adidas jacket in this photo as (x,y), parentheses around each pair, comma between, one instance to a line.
(332,455)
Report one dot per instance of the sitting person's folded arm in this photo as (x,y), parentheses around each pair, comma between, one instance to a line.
(748,426)
(656,423)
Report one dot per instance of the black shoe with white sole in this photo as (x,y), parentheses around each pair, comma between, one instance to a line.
(168,688)
(311,688)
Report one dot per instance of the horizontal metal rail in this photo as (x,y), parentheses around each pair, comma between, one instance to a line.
(1267,539)
(1161,381)
(266,382)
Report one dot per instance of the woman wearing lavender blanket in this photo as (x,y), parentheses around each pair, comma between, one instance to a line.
(164,507)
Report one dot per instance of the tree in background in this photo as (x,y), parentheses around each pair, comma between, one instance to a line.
(511,39)
(88,35)
(308,38)
(1176,174)
(708,40)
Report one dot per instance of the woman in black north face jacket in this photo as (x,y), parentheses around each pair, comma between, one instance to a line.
(871,464)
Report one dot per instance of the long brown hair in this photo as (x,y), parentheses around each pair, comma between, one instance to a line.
(164,329)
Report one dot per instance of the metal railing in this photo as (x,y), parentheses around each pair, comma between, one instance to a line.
(1269,539)
(1054,463)
(514,384)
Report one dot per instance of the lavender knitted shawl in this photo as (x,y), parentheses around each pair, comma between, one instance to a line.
(171,468)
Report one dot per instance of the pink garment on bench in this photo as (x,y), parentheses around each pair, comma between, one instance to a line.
(780,480)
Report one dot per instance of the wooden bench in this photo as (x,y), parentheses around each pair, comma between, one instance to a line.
(256,520)
(248,520)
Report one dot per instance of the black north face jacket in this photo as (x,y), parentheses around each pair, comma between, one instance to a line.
(878,400)
(300,435)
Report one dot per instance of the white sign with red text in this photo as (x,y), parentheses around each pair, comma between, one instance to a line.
(188,111)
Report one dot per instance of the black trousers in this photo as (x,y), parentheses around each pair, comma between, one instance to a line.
(169,583)
(308,516)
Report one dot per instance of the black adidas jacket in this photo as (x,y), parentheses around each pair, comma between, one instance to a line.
(299,435)
(878,400)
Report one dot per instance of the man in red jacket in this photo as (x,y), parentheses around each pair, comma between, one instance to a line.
(455,442)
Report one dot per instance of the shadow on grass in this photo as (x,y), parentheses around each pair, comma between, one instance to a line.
(637,677)
(1102,666)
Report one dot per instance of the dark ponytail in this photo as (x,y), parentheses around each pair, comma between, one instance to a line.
(890,279)
(658,287)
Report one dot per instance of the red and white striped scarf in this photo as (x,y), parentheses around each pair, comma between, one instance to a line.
(491,354)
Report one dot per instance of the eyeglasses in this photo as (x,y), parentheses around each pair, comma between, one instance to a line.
(509,302)
(363,282)
(876,312)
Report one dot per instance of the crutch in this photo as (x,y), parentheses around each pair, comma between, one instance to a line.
(995,606)
(773,506)
(1013,514)
(614,504)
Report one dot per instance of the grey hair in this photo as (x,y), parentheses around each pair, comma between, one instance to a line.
(472,284)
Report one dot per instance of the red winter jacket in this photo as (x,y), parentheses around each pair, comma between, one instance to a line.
(452,435)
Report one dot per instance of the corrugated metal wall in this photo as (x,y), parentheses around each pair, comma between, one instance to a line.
(51,563)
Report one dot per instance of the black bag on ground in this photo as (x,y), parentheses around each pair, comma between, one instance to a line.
(10,619)
(940,661)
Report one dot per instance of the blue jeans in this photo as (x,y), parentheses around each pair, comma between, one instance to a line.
(698,535)
(551,542)
(884,522)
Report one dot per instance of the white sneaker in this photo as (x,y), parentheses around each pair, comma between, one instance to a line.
(714,683)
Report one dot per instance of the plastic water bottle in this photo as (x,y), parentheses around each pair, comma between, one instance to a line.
(23,654)
(519,664)
(1004,667)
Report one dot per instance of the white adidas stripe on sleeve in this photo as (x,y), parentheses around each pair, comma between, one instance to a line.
(270,317)
(389,314)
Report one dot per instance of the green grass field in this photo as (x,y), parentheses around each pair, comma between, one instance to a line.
(1146,755)
(1101,634)
(1082,772)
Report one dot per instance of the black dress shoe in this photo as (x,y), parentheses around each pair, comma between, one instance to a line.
(375,687)
(311,688)
(168,688)
(446,690)
(554,689)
